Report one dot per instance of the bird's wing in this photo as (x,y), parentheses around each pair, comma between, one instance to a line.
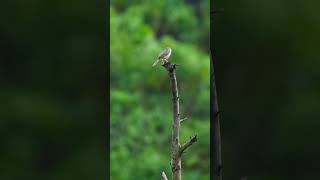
(162,54)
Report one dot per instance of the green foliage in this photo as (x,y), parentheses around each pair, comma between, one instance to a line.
(141,114)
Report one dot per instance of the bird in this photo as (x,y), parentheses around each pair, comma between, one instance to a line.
(163,56)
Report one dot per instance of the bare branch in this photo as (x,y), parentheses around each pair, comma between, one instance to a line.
(184,146)
(177,149)
(181,120)
(175,155)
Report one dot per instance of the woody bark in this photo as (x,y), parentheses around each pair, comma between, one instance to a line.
(176,147)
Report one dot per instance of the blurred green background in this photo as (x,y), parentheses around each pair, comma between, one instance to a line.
(267,70)
(141,115)
(53,83)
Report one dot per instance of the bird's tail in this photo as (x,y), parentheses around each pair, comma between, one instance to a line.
(156,62)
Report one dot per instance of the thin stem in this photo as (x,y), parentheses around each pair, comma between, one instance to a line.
(215,115)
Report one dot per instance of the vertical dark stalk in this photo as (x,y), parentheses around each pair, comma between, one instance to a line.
(215,116)
(216,138)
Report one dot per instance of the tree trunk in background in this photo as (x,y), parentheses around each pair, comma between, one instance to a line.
(216,138)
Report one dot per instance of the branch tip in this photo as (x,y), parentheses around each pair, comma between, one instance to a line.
(181,120)
(170,66)
(192,140)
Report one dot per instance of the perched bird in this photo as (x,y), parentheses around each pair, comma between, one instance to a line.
(163,56)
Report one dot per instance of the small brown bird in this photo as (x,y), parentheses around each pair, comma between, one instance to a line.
(163,56)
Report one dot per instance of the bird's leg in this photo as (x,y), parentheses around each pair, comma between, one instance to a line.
(163,61)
